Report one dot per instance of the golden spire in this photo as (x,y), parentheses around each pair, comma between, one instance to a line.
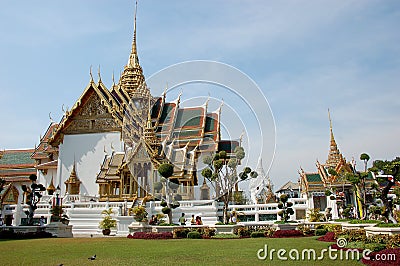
(132,78)
(333,142)
(133,58)
(51,188)
(334,155)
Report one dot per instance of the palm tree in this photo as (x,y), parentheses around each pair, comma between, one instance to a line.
(364,157)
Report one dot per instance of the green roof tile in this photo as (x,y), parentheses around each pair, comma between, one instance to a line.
(11,158)
(313,178)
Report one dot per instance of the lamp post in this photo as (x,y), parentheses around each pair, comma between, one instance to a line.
(58,192)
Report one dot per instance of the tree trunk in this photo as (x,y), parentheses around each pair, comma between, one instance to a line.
(388,206)
(226,217)
(170,217)
(30,217)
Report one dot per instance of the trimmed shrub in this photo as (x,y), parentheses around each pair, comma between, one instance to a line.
(388,225)
(305,229)
(244,231)
(181,232)
(269,232)
(287,233)
(146,235)
(328,237)
(356,221)
(208,232)
(394,242)
(225,236)
(194,235)
(257,234)
(10,234)
(320,232)
(353,235)
(166,210)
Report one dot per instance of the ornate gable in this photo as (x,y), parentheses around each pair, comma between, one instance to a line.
(92,117)
(10,196)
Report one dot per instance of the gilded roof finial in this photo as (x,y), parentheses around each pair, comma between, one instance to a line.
(98,72)
(113,80)
(91,75)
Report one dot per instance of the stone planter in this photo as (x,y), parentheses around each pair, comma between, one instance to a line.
(349,226)
(226,228)
(139,227)
(59,229)
(374,230)
(288,226)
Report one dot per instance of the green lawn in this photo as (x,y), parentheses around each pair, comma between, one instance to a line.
(122,251)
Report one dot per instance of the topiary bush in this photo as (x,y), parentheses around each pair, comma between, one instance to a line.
(257,234)
(320,232)
(285,208)
(225,236)
(353,235)
(287,233)
(181,232)
(166,210)
(194,235)
(328,237)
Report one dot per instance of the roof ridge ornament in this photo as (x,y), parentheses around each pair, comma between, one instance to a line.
(98,72)
(91,75)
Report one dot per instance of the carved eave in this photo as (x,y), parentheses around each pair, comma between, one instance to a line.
(100,97)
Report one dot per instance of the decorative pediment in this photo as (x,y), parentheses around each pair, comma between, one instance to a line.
(11,196)
(140,153)
(91,117)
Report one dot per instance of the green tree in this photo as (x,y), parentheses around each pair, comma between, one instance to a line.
(365,157)
(391,171)
(166,170)
(285,207)
(221,171)
(34,196)
(358,181)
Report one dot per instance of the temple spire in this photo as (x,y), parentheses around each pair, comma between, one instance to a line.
(334,155)
(132,79)
(333,142)
(133,58)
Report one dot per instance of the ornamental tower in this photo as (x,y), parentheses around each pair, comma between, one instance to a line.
(132,80)
(334,156)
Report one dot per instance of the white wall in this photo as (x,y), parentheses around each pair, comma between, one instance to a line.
(88,151)
(45,180)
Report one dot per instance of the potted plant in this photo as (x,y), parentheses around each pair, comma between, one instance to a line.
(140,214)
(108,222)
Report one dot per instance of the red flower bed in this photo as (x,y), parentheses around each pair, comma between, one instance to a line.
(328,237)
(145,235)
(386,257)
(287,233)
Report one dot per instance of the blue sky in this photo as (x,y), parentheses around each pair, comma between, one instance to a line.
(306,56)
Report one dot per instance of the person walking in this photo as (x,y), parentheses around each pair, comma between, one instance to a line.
(182,220)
